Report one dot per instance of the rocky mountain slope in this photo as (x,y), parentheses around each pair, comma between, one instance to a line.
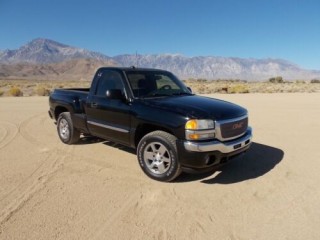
(220,67)
(43,58)
(47,51)
(76,69)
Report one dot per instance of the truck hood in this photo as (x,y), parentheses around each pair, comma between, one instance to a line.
(197,107)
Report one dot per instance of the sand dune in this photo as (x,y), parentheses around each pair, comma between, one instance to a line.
(96,190)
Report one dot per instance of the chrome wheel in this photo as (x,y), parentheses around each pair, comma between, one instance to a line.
(157,158)
(64,129)
(68,134)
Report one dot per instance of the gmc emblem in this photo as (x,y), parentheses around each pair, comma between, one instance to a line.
(237,126)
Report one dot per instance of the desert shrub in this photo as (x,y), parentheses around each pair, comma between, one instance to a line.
(15,91)
(200,88)
(239,88)
(222,89)
(201,80)
(42,91)
(278,79)
(1,93)
(315,81)
(300,81)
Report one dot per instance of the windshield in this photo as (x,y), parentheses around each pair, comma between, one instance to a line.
(155,84)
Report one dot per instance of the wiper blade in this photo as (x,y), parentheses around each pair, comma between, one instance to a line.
(157,95)
(182,93)
(166,94)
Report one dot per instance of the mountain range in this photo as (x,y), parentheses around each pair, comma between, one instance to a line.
(48,59)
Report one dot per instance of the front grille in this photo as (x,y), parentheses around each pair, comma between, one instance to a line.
(234,128)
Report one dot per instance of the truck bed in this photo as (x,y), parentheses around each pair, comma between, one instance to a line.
(74,89)
(71,99)
(79,93)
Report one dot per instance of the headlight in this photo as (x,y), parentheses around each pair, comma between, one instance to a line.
(196,124)
(200,129)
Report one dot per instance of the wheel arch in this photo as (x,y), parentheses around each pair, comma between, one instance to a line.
(60,109)
(145,128)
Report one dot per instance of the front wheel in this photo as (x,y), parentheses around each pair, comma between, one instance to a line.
(158,157)
(66,131)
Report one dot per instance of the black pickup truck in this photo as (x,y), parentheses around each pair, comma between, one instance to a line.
(153,112)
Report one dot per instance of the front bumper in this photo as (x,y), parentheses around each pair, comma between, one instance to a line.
(226,147)
(205,155)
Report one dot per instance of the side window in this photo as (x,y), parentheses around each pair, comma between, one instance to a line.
(141,83)
(109,80)
(165,81)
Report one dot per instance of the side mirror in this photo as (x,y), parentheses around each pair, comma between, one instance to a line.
(114,94)
(189,89)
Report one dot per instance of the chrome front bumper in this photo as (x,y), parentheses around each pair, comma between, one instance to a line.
(224,147)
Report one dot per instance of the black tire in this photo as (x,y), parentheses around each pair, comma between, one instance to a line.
(66,131)
(158,157)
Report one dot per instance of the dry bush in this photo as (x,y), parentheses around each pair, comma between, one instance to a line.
(315,81)
(42,91)
(15,91)
(239,88)
(3,84)
(300,82)
(198,86)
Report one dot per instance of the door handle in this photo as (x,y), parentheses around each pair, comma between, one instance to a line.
(94,105)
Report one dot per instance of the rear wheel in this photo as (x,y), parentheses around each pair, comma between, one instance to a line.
(66,131)
(158,157)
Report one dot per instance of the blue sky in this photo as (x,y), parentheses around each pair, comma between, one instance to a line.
(287,29)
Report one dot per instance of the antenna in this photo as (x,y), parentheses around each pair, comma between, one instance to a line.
(136,59)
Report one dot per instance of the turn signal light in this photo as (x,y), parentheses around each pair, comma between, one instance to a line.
(192,124)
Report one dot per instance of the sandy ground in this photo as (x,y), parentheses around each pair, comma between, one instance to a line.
(96,190)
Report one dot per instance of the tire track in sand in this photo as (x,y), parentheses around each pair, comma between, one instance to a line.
(8,132)
(33,130)
(54,157)
(35,182)
(97,230)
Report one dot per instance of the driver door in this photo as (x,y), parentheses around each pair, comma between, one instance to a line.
(109,118)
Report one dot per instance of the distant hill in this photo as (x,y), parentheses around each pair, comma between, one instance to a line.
(220,67)
(76,69)
(47,51)
(47,59)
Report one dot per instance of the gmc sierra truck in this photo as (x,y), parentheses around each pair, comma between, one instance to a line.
(152,111)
